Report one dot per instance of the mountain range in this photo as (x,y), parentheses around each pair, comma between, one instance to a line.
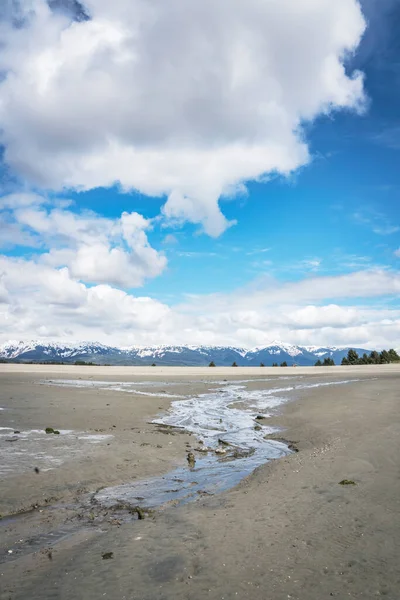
(276,352)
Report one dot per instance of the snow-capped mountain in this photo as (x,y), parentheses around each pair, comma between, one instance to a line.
(276,352)
(52,350)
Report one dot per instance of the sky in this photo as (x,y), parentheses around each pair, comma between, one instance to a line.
(200,172)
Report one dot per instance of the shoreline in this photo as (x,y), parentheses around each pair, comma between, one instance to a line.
(59,484)
(287,530)
(182,372)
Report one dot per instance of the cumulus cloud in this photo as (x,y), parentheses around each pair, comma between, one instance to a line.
(38,300)
(21,199)
(93,248)
(181,99)
(43,301)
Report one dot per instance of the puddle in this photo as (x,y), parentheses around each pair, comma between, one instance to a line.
(21,452)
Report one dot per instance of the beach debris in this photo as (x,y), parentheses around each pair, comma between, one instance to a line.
(37,470)
(260,417)
(13,439)
(191,460)
(17,432)
(133,510)
(223,442)
(202,449)
(292,446)
(48,552)
(257,427)
(347,482)
(51,430)
(107,555)
(243,452)
(220,451)
(138,511)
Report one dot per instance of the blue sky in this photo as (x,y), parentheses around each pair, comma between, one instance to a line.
(327,219)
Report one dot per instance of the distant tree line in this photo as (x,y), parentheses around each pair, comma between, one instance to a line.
(328,362)
(234,364)
(81,363)
(374,358)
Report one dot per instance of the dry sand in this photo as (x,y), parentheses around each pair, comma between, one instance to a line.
(287,531)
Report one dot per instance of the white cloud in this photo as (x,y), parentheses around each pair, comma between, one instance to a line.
(397,252)
(387,230)
(43,299)
(38,300)
(95,249)
(258,251)
(170,240)
(18,200)
(176,98)
(378,221)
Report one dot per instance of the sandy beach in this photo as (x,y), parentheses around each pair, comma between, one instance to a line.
(287,530)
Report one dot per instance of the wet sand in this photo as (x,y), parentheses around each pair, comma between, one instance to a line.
(287,531)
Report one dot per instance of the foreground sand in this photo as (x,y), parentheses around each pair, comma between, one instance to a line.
(288,531)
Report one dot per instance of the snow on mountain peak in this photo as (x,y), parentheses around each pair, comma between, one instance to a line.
(40,350)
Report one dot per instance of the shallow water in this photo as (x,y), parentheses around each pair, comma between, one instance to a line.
(21,452)
(224,419)
(229,422)
(211,475)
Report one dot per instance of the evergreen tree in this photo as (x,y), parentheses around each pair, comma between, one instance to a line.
(274,364)
(374,358)
(384,356)
(318,363)
(284,364)
(234,364)
(365,359)
(352,357)
(212,364)
(262,365)
(345,361)
(394,357)
(329,362)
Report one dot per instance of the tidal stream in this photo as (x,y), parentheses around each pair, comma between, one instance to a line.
(230,424)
